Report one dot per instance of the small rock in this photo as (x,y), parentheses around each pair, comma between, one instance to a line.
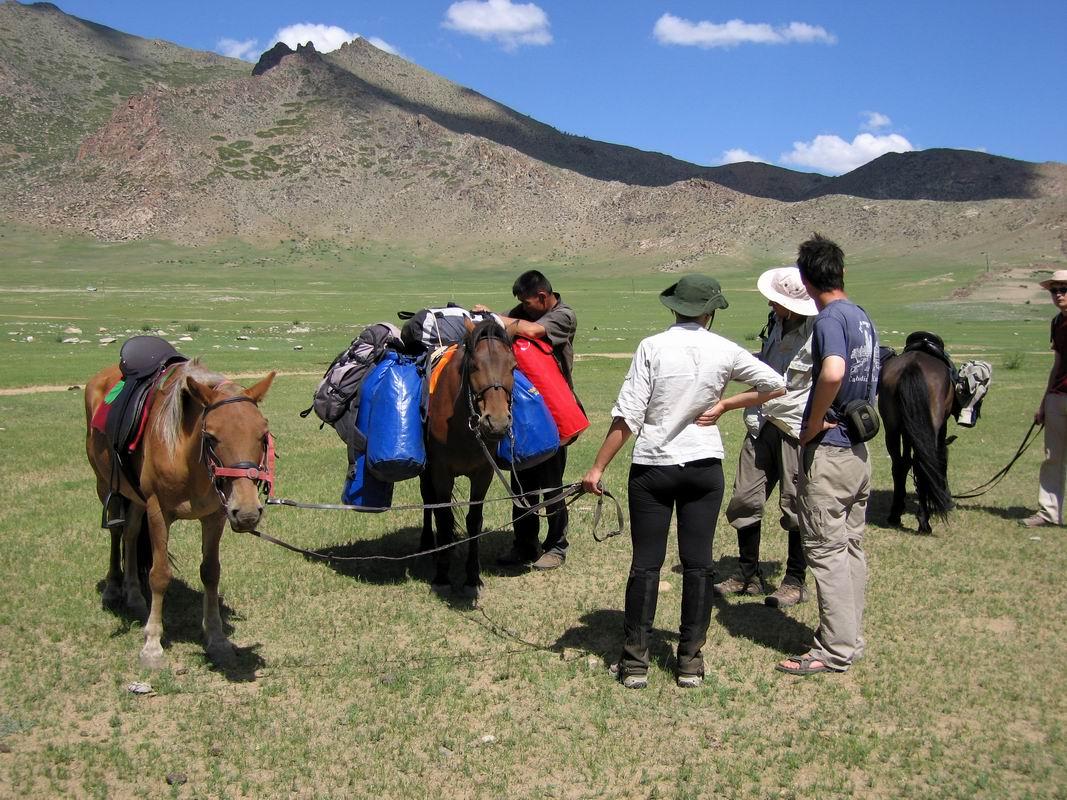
(176,778)
(444,751)
(90,288)
(5,747)
(388,679)
(161,332)
(107,340)
(185,338)
(73,388)
(72,329)
(101,330)
(253,348)
(1035,538)
(29,338)
(84,734)
(487,739)
(595,663)
(139,687)
(71,340)
(299,347)
(215,750)
(180,670)
(242,338)
(664,586)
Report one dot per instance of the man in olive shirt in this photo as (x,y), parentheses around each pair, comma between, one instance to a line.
(541,314)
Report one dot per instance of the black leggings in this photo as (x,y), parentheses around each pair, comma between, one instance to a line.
(696,489)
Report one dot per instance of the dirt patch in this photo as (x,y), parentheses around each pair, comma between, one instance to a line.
(1017,286)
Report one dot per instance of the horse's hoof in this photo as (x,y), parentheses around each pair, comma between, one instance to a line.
(112,595)
(137,608)
(471,592)
(153,659)
(221,653)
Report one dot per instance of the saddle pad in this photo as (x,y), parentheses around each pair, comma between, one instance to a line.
(438,361)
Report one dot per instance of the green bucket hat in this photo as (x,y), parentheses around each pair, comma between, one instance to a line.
(694,295)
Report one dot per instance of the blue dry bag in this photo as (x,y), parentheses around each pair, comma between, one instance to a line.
(363,489)
(534,436)
(396,450)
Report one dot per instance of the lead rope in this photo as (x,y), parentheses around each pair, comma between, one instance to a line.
(978,491)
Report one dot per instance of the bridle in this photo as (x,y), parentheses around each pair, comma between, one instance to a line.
(476,400)
(262,473)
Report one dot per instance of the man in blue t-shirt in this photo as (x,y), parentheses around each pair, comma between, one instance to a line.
(834,482)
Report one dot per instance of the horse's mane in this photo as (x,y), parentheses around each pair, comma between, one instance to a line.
(168,422)
(487,328)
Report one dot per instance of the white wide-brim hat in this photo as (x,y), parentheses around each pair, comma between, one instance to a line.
(783,286)
(1059,276)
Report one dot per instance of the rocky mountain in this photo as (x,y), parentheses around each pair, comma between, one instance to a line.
(123,137)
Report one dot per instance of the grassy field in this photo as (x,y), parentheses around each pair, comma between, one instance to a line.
(357,680)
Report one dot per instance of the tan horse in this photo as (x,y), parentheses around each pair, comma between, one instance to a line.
(206,453)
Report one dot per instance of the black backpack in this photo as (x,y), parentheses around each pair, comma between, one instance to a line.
(340,383)
(434,327)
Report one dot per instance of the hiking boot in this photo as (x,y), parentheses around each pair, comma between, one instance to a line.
(549,560)
(1035,521)
(736,584)
(515,558)
(633,680)
(690,681)
(788,594)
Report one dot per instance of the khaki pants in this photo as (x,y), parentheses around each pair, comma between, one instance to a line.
(833,493)
(1050,495)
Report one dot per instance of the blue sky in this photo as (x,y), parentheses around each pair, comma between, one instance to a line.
(814,86)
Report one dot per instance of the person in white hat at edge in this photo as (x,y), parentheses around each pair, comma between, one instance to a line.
(1052,411)
(769,454)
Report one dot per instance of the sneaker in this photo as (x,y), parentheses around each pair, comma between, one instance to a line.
(634,680)
(788,594)
(1035,521)
(735,584)
(515,558)
(690,681)
(549,560)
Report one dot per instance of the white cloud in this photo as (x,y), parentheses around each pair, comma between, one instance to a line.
(875,121)
(325,37)
(510,24)
(670,29)
(736,154)
(246,50)
(381,44)
(832,154)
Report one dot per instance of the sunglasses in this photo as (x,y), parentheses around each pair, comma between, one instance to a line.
(1057,290)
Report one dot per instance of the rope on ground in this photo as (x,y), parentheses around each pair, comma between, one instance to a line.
(1028,440)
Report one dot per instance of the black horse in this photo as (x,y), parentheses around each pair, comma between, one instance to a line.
(916,393)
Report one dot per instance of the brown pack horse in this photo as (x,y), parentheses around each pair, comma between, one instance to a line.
(205,454)
(471,401)
(915,397)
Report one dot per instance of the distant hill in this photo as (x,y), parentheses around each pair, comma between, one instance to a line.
(123,137)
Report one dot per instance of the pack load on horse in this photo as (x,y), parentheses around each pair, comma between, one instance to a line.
(201,450)
(534,357)
(918,391)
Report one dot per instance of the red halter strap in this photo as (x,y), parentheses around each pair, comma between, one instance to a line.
(262,474)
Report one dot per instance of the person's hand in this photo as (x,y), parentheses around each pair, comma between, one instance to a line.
(478,308)
(711,416)
(591,481)
(809,431)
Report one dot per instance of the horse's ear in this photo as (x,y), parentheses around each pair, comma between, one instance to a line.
(204,395)
(260,389)
(469,323)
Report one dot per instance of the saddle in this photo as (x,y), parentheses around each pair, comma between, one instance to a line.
(932,345)
(143,361)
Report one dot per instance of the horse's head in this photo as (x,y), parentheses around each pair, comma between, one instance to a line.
(489,365)
(236,446)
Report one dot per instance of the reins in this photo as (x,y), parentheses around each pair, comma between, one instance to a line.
(569,494)
(1028,440)
(262,474)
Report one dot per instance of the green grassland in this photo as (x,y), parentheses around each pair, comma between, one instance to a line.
(357,680)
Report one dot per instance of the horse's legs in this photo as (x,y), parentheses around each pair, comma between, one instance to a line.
(218,646)
(479,488)
(426,491)
(901,466)
(158,580)
(442,484)
(131,584)
(112,593)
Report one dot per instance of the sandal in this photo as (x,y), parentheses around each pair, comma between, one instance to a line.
(804,665)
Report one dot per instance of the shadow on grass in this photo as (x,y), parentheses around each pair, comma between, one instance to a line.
(763,625)
(600,633)
(183,610)
(1004,512)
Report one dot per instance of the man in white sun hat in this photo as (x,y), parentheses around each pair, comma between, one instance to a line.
(769,454)
(1052,411)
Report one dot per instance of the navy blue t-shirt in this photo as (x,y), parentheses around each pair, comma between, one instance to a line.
(843,329)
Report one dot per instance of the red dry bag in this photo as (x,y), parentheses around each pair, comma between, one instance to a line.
(535,359)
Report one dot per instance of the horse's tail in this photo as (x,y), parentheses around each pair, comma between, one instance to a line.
(929,452)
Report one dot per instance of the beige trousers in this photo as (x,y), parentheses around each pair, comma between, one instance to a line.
(833,493)
(1050,495)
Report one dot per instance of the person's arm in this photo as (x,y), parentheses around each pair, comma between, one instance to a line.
(831,376)
(513,325)
(740,400)
(617,436)
(1039,415)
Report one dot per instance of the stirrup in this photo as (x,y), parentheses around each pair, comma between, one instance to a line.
(111,520)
